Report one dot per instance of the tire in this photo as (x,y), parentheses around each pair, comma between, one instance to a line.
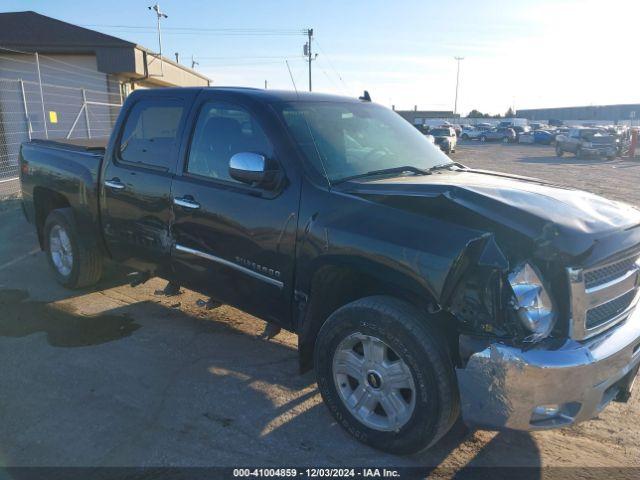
(483,138)
(465,136)
(578,152)
(61,237)
(559,151)
(505,140)
(410,342)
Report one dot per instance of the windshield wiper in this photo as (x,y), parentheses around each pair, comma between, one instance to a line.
(448,165)
(385,171)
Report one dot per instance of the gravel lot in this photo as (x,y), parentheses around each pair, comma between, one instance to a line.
(117,376)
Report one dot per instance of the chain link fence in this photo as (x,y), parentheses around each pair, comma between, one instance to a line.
(51,97)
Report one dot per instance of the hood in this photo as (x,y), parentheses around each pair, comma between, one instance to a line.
(558,220)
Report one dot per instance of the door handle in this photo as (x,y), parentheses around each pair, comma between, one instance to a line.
(186,202)
(114,183)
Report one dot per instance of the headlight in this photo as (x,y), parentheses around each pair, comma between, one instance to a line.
(533,304)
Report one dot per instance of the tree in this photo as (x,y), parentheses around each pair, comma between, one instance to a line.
(475,114)
(510,113)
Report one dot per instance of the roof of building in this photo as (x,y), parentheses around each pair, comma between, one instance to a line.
(30,31)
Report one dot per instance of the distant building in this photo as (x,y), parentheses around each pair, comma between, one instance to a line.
(611,113)
(418,117)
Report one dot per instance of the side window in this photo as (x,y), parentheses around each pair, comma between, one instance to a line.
(221,131)
(150,133)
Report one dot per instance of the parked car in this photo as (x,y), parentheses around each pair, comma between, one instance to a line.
(544,137)
(526,137)
(506,135)
(587,142)
(445,138)
(471,133)
(418,288)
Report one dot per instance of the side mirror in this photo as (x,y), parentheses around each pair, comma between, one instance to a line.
(253,169)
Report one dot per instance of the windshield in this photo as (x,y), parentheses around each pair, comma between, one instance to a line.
(440,132)
(345,140)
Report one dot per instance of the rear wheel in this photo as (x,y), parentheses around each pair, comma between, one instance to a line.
(76,262)
(483,138)
(578,152)
(559,151)
(386,376)
(465,136)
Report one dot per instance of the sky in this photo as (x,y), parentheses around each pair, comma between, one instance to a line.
(517,53)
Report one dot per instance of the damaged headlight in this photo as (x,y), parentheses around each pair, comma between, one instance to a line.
(532,303)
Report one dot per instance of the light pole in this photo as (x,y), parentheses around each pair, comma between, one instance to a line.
(455,105)
(159,14)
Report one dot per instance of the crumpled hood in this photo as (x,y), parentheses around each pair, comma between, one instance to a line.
(558,220)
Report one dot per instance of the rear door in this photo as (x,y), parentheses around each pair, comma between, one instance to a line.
(235,241)
(136,180)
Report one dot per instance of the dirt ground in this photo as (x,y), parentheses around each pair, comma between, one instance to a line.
(117,376)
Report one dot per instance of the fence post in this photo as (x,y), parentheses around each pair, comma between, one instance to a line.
(86,112)
(44,116)
(26,110)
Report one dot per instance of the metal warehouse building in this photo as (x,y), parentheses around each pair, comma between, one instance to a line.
(611,113)
(59,80)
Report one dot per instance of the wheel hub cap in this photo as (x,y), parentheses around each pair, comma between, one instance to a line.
(373,382)
(61,250)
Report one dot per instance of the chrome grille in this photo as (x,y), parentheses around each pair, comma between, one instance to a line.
(597,316)
(602,296)
(598,276)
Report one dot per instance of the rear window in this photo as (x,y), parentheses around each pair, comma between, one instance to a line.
(150,133)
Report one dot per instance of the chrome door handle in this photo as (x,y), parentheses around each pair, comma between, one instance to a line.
(186,202)
(114,183)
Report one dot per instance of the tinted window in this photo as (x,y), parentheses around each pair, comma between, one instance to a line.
(150,133)
(221,131)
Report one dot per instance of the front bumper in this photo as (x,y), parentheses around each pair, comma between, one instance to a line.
(599,151)
(502,386)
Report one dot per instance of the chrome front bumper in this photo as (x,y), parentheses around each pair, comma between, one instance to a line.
(502,386)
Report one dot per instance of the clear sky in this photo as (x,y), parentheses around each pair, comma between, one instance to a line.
(531,53)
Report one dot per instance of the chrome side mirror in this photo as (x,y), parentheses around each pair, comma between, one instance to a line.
(251,168)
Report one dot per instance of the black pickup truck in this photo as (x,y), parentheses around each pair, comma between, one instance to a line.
(419,289)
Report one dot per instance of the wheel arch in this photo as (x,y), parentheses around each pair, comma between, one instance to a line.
(335,284)
(45,201)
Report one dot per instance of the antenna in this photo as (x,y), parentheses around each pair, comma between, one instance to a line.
(291,75)
(159,15)
(193,62)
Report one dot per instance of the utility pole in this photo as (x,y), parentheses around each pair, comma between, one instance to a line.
(159,15)
(308,54)
(455,105)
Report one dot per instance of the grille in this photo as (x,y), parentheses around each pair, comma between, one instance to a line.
(601,275)
(605,312)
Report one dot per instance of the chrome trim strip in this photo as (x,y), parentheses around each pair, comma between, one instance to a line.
(227,263)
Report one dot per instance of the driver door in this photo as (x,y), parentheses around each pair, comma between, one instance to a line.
(234,241)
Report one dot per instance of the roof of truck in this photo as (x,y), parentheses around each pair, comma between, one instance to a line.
(268,95)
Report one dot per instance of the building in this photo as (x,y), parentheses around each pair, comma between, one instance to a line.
(59,80)
(419,117)
(601,113)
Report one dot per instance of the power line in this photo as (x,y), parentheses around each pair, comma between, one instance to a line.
(324,54)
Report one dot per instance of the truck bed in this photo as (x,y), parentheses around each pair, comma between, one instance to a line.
(94,145)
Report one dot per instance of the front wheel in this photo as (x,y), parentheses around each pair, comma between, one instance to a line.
(76,261)
(559,151)
(384,371)
(483,138)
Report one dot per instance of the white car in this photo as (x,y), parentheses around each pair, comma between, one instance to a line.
(471,133)
(526,137)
